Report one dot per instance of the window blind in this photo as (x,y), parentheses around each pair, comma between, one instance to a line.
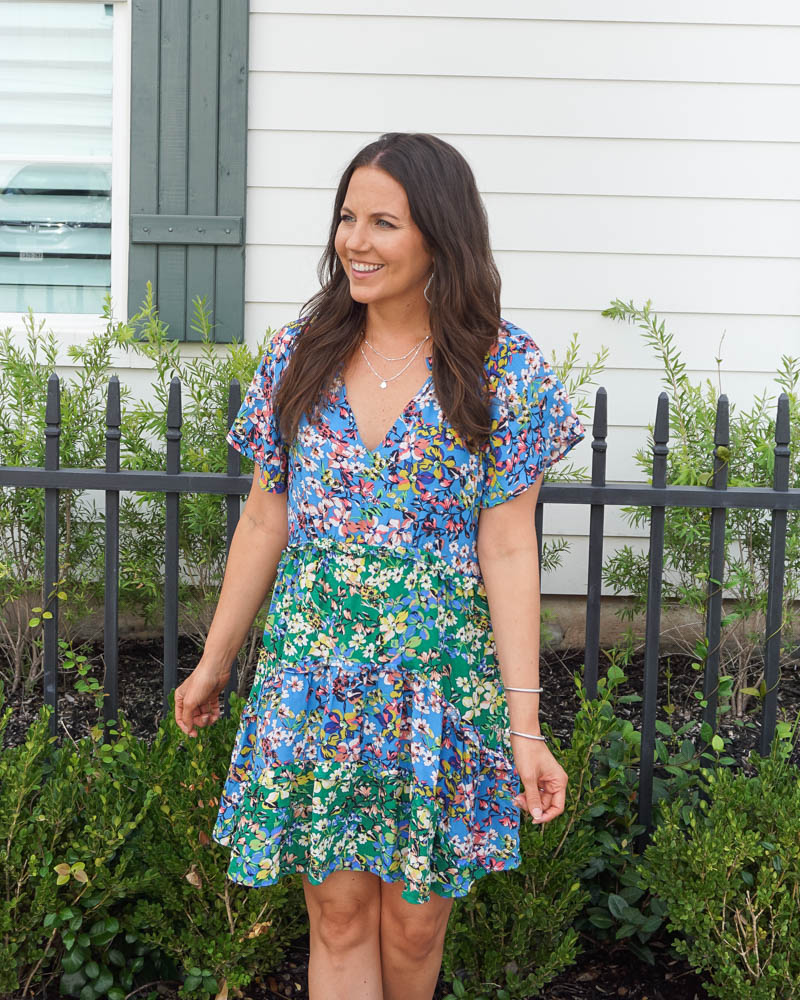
(55,156)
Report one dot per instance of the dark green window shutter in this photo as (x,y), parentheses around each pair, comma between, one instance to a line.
(188,160)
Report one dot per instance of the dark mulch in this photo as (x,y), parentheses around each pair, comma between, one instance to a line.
(599,971)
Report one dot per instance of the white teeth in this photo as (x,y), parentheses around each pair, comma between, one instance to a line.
(365,267)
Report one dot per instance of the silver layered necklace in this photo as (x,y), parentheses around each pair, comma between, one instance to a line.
(385,381)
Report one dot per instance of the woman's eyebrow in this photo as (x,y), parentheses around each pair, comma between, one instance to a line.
(374,215)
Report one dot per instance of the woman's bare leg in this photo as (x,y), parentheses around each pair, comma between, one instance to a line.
(344,913)
(412,938)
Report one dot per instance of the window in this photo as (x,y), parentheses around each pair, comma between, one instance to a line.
(55,156)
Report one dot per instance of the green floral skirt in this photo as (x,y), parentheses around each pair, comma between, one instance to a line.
(375,736)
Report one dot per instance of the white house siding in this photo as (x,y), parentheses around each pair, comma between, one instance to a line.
(626,149)
(631,148)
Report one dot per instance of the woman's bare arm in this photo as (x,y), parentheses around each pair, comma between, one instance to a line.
(259,539)
(508,557)
(507,553)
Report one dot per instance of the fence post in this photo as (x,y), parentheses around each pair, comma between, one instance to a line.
(653,618)
(111,609)
(777,568)
(52,419)
(716,565)
(595,571)
(233,504)
(172,501)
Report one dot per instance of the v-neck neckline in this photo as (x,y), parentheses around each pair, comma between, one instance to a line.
(372,452)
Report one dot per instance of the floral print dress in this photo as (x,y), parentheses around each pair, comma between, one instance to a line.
(376,733)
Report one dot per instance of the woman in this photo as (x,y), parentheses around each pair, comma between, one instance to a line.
(399,429)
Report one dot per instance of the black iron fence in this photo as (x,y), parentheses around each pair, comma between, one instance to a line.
(597,493)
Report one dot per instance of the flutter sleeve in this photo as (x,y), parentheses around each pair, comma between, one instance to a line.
(255,432)
(534,423)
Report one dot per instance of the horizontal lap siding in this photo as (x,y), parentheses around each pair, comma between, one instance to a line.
(631,149)
(503,106)
(717,12)
(573,166)
(528,49)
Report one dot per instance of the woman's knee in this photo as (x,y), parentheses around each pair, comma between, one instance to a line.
(344,913)
(415,930)
(416,938)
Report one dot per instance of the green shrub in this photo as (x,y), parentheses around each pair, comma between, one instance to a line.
(199,918)
(577,379)
(70,872)
(616,907)
(110,878)
(747,533)
(205,381)
(516,930)
(729,875)
(24,371)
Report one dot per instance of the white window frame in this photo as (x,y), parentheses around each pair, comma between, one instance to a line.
(77,326)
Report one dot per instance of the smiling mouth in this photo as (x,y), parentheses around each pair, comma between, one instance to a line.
(360,268)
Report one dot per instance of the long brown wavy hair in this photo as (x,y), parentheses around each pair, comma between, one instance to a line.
(464,311)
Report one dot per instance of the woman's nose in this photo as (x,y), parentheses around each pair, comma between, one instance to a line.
(357,238)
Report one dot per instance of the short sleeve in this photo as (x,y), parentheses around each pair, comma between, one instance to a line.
(255,432)
(534,424)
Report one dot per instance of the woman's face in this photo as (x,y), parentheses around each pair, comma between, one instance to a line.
(381,248)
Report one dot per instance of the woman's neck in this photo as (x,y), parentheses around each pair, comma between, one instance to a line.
(396,328)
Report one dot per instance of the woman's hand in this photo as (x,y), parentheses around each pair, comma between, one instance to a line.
(544,780)
(197,699)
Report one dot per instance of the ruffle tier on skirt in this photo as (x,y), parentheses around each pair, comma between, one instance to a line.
(375,736)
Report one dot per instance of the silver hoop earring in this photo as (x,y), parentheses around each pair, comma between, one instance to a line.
(425,289)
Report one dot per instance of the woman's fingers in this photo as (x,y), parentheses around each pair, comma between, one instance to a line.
(194,705)
(180,710)
(552,802)
(188,715)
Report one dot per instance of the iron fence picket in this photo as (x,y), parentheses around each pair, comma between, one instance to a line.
(716,566)
(653,615)
(111,557)
(594,584)
(171,544)
(777,571)
(52,448)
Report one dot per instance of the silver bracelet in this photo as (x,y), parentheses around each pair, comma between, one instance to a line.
(530,736)
(523,689)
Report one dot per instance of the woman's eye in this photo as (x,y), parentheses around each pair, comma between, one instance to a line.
(345,218)
(385,222)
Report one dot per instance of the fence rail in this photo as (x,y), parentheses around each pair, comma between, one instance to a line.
(596,493)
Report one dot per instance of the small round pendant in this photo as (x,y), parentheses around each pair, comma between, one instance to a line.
(383,384)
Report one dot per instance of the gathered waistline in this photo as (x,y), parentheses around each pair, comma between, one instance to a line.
(386,552)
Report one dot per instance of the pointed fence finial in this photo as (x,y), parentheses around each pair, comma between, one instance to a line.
(52,413)
(599,431)
(660,439)
(113,413)
(782,439)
